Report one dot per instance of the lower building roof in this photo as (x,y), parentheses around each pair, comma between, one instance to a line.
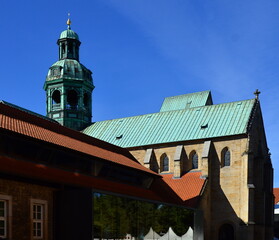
(276,195)
(188,188)
(29,125)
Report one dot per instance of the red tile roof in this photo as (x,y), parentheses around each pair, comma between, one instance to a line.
(276,195)
(27,124)
(188,188)
(185,190)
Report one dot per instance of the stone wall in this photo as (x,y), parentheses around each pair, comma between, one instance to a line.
(226,197)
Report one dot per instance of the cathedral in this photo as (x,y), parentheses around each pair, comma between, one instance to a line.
(205,165)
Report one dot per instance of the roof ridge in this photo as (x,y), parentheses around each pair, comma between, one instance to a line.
(164,112)
(173,126)
(27,111)
(189,94)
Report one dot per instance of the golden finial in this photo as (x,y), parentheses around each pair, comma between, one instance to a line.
(69,21)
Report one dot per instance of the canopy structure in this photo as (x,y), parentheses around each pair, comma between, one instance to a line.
(151,235)
(188,235)
(170,235)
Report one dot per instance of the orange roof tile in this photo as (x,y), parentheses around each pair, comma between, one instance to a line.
(276,195)
(27,124)
(188,187)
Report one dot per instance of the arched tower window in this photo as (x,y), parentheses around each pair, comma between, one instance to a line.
(195,160)
(63,50)
(225,157)
(72,99)
(56,97)
(86,100)
(164,163)
(226,232)
(70,48)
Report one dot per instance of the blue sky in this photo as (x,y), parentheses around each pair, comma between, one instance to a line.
(141,51)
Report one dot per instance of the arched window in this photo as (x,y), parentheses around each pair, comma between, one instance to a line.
(85,100)
(195,160)
(72,99)
(164,163)
(56,97)
(70,48)
(226,232)
(63,50)
(225,157)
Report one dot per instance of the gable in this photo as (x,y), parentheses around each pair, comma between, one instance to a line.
(185,101)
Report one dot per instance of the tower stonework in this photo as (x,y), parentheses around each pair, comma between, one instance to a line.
(69,85)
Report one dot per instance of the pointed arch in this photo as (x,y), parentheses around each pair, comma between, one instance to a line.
(164,162)
(225,157)
(194,159)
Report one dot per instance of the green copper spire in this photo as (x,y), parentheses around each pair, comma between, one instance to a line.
(69,85)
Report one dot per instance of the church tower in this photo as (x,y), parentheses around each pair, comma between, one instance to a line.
(69,85)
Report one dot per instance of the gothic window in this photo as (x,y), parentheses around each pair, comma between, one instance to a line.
(164,163)
(72,99)
(225,157)
(195,160)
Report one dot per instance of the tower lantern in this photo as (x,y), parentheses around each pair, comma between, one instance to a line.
(69,85)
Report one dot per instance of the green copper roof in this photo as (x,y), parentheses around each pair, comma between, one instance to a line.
(173,126)
(69,34)
(68,69)
(190,100)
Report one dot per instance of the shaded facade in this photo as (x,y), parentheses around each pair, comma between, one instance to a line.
(224,144)
(51,176)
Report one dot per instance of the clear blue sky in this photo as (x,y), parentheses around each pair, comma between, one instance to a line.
(141,51)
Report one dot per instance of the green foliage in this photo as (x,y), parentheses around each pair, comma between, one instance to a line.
(114,217)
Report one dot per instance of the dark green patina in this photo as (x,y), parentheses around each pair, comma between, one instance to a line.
(69,85)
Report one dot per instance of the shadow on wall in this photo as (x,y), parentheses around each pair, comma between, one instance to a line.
(221,221)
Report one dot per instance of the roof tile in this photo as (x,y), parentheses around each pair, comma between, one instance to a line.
(188,187)
(25,123)
(276,195)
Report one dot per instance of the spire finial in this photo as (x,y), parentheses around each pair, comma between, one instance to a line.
(257,93)
(69,21)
